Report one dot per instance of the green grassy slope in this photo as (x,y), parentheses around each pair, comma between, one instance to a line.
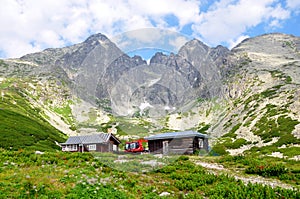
(22,125)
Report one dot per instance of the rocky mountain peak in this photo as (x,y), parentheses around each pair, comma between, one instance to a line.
(269,43)
(138,60)
(158,58)
(194,45)
(96,38)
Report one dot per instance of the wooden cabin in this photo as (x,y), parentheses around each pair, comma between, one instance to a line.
(100,142)
(185,142)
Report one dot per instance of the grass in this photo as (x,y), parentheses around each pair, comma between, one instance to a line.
(22,126)
(25,174)
(268,127)
(270,92)
(236,144)
(275,122)
(287,171)
(231,133)
(66,112)
(202,128)
(127,126)
(290,151)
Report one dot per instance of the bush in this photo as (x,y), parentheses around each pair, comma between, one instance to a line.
(218,149)
(266,170)
(236,144)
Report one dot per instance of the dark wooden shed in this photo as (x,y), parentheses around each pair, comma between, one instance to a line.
(185,142)
(100,142)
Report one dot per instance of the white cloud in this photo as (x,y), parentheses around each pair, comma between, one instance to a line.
(56,23)
(145,35)
(151,38)
(178,42)
(32,25)
(29,26)
(185,11)
(278,13)
(228,20)
(233,43)
(293,4)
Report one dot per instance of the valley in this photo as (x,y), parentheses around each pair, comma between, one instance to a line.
(247,100)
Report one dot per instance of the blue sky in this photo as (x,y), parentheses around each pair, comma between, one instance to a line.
(28,26)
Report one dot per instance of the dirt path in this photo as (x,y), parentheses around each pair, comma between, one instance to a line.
(219,169)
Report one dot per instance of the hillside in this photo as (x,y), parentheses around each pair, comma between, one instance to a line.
(246,99)
(263,98)
(22,124)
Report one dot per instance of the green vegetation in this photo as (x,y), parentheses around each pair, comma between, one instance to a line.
(3,64)
(65,112)
(287,171)
(22,126)
(252,98)
(289,44)
(202,128)
(200,100)
(104,104)
(270,92)
(269,126)
(278,74)
(129,127)
(231,133)
(236,144)
(267,170)
(218,149)
(76,175)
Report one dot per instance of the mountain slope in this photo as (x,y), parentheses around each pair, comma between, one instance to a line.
(263,111)
(248,96)
(23,125)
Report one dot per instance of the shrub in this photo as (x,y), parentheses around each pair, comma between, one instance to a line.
(218,149)
(267,170)
(236,144)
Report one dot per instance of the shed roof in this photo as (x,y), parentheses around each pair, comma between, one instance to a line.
(90,139)
(180,134)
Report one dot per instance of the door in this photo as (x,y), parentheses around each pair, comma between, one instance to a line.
(165,147)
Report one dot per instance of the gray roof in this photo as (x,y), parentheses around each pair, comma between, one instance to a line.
(88,139)
(172,135)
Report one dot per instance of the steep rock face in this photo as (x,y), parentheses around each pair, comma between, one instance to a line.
(210,62)
(197,70)
(86,64)
(155,87)
(94,69)
(179,64)
(114,71)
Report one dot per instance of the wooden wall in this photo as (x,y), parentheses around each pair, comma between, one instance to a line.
(177,145)
(100,147)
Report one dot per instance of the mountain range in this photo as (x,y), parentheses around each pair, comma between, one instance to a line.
(247,98)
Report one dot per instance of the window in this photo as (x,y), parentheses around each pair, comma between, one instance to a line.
(200,143)
(72,147)
(92,147)
(115,147)
(134,145)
